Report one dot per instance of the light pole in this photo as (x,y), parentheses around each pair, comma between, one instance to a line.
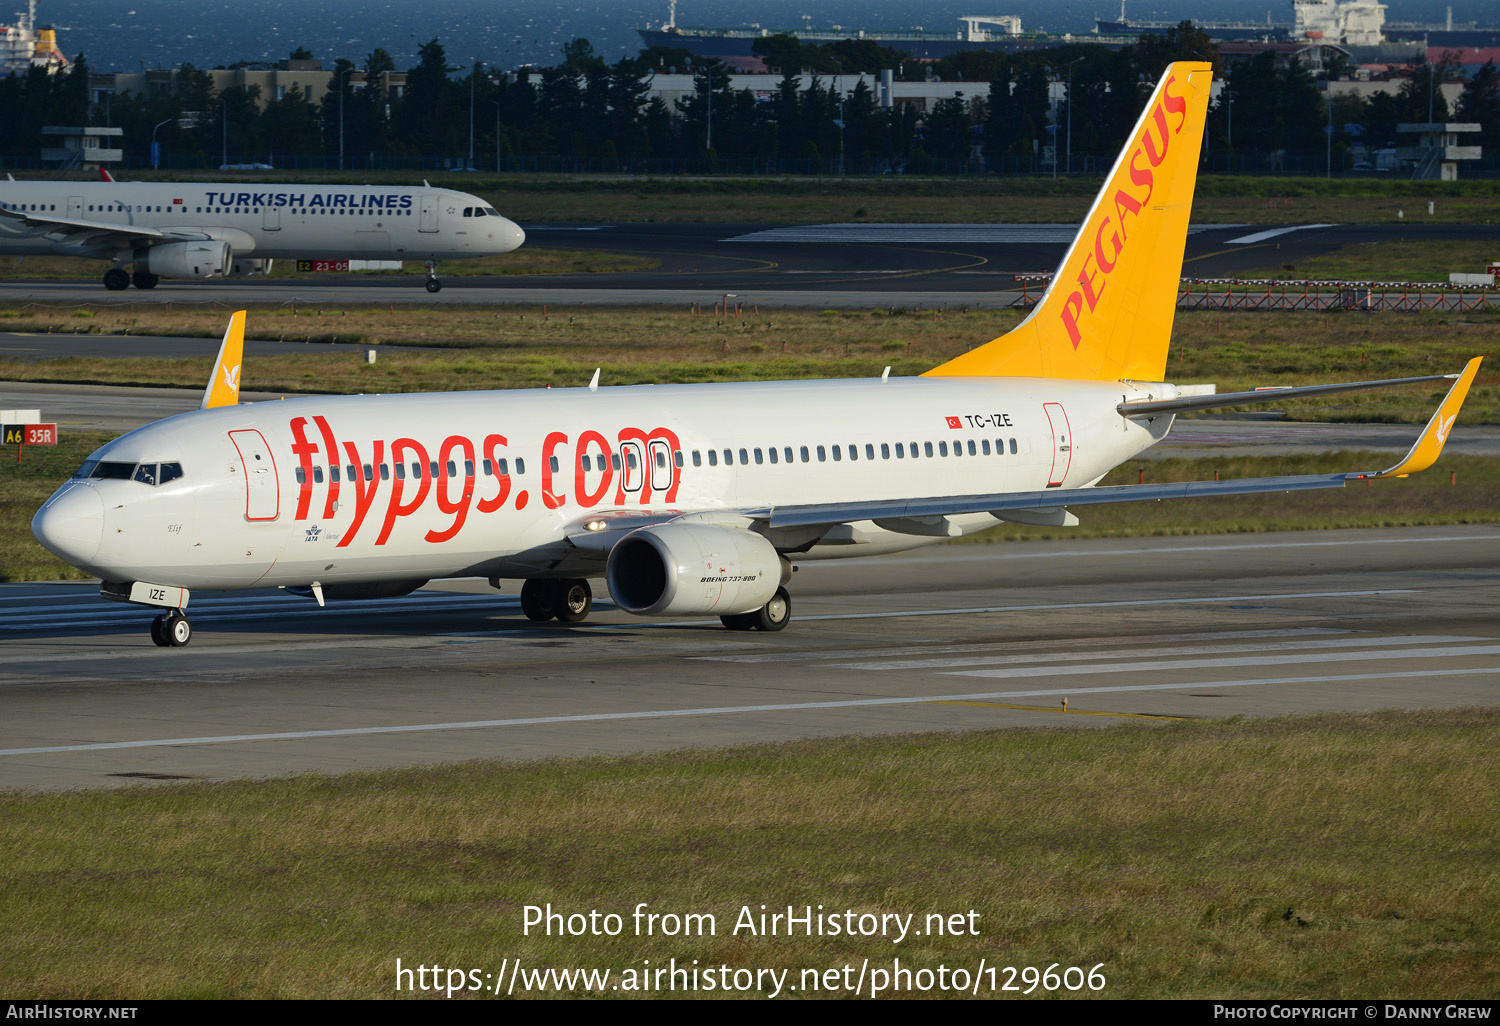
(343,77)
(497,135)
(709,72)
(1328,157)
(1072,62)
(155,149)
(838,84)
(473,74)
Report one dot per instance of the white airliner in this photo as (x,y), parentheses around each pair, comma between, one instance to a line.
(199,230)
(687,499)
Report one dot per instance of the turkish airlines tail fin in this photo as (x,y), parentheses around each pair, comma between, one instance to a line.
(224,385)
(1107,314)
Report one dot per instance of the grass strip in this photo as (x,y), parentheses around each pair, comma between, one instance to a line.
(524,346)
(1337,855)
(527,260)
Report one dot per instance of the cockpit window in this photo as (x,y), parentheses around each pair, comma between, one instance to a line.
(152,474)
(492,211)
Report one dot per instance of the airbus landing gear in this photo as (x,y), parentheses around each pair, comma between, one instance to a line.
(568,600)
(144,279)
(116,280)
(172,630)
(433,285)
(773,616)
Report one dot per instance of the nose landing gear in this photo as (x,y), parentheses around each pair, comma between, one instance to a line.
(433,284)
(172,630)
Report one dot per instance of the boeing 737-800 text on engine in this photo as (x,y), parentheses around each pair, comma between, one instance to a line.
(208,231)
(687,499)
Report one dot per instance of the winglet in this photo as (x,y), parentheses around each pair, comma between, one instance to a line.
(224,386)
(1430,444)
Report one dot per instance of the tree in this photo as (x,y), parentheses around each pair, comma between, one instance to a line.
(1480,103)
(430,118)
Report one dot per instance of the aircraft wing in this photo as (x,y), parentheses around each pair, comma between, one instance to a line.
(1186,404)
(1421,456)
(85,234)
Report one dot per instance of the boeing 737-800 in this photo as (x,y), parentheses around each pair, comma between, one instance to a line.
(208,231)
(687,499)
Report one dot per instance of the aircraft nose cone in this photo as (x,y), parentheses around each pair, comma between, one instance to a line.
(512,237)
(71,524)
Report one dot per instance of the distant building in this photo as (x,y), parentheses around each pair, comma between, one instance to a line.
(81,147)
(274,82)
(1437,152)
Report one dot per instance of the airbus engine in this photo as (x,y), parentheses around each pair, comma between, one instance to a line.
(250,265)
(687,569)
(198,259)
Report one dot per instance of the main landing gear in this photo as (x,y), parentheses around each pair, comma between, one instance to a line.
(433,284)
(116,279)
(567,600)
(773,616)
(172,630)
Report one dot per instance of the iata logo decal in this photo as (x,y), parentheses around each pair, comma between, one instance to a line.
(1111,237)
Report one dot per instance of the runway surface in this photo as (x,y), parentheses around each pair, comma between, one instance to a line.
(948,639)
(827,265)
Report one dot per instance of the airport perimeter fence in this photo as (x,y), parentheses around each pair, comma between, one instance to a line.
(1266,294)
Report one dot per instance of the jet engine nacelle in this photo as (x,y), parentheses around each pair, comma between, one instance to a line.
(250,265)
(687,569)
(196,259)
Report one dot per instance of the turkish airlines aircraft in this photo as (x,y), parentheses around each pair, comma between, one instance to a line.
(687,499)
(208,231)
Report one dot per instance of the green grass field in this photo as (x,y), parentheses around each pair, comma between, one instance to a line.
(523,347)
(1351,856)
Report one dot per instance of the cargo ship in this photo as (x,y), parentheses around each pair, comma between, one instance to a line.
(974,32)
(24,46)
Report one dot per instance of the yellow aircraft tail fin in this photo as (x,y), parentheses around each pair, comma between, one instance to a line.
(224,386)
(1107,313)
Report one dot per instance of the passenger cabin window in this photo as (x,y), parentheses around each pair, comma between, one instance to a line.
(697,458)
(713,457)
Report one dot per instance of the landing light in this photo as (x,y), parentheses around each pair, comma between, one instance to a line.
(594,525)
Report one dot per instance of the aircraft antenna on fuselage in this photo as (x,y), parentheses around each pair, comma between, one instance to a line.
(224,385)
(1107,313)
